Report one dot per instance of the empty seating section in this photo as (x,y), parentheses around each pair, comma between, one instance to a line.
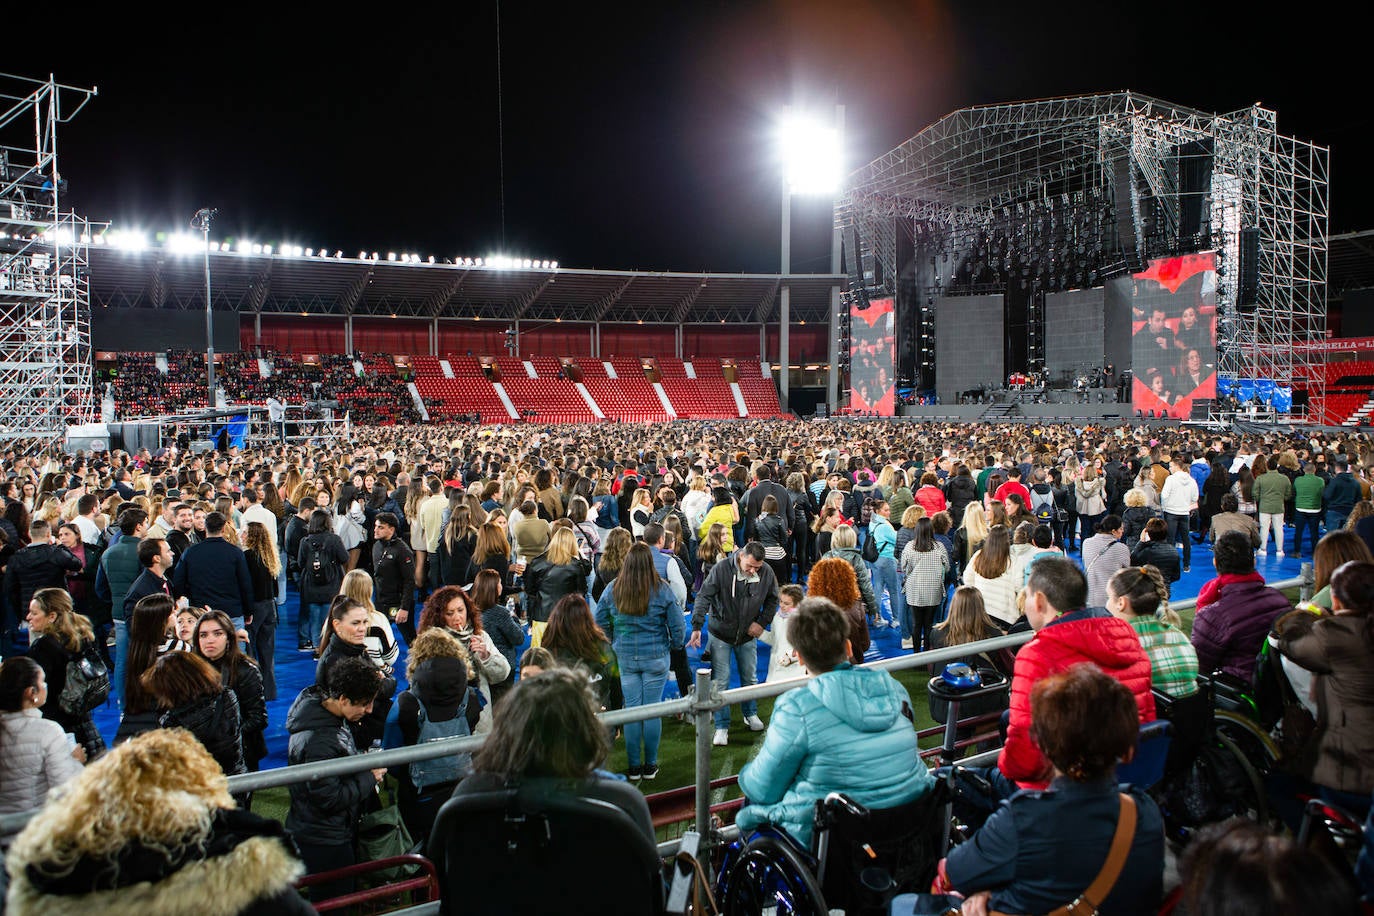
(627,400)
(380,395)
(468,392)
(549,398)
(1349,386)
(707,397)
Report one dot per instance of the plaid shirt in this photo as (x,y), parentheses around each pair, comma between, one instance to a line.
(1173,661)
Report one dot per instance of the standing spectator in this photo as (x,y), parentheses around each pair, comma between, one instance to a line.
(1155,550)
(345,636)
(1178,499)
(58,636)
(924,568)
(772,533)
(1272,490)
(558,571)
(214,573)
(834,580)
(34,755)
(41,564)
(450,608)
(1235,611)
(500,624)
(324,811)
(1341,494)
(263,565)
(149,620)
(642,618)
(393,567)
(456,547)
(213,640)
(739,598)
(1103,555)
(1091,503)
(574,639)
(380,639)
(189,688)
(842,547)
(1307,506)
(885,576)
(929,496)
(990,571)
(119,567)
(321,559)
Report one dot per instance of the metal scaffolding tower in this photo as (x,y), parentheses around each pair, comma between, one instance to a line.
(1066,193)
(45,314)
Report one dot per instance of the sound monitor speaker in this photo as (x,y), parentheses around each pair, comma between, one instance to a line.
(1248,295)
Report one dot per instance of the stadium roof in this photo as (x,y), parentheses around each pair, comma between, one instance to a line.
(261,283)
(1350,262)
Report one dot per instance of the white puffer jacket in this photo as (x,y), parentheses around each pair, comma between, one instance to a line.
(34,758)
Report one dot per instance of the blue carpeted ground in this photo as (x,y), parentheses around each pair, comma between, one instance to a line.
(296,670)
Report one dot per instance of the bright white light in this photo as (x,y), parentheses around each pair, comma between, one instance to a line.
(226,247)
(480,262)
(811,154)
(555,265)
(338,253)
(527,264)
(266,249)
(256,249)
(362,256)
(128,239)
(244,246)
(310,252)
(185,243)
(431,259)
(391,255)
(374,256)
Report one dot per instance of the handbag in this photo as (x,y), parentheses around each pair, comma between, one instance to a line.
(382,833)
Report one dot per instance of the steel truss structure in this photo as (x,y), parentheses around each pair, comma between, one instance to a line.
(45,313)
(1161,179)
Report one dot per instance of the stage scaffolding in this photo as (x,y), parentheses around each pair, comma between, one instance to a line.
(1120,171)
(45,315)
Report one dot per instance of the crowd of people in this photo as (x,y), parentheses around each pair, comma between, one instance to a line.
(489,554)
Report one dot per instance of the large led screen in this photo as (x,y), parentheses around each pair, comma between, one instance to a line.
(872,349)
(1174,333)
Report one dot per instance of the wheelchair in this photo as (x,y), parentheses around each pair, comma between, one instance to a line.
(859,859)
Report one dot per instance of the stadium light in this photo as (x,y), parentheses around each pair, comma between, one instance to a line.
(811,155)
(391,255)
(184,243)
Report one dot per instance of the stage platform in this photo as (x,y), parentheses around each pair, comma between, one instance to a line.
(1096,413)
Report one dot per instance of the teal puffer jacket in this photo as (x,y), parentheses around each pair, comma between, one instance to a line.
(844,731)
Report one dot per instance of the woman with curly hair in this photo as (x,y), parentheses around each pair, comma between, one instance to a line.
(834,578)
(151,829)
(449,607)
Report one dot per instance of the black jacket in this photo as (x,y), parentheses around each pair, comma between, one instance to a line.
(731,605)
(545,583)
(36,566)
(960,491)
(393,566)
(292,535)
(1160,554)
(147,583)
(323,811)
(753,503)
(214,574)
(330,546)
(455,565)
(247,687)
(214,720)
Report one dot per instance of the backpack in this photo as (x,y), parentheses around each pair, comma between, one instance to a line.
(439,770)
(320,565)
(88,682)
(1042,505)
(870,551)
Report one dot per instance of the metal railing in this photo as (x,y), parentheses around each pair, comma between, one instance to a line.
(700,706)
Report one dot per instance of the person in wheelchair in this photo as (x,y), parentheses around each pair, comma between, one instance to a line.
(1045,848)
(1140,596)
(546,736)
(1235,611)
(848,730)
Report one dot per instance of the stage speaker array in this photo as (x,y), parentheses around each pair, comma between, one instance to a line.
(1126,230)
(1248,295)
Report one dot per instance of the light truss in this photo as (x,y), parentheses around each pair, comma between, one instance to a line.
(45,320)
(962,171)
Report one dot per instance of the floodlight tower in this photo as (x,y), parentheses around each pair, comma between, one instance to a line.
(201,223)
(812,157)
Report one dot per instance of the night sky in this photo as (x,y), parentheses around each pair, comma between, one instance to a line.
(636,136)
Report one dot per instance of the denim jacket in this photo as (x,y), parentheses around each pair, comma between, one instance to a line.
(649,636)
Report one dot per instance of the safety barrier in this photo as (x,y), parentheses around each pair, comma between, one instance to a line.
(700,706)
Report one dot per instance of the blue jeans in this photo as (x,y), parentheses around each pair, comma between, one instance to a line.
(642,679)
(121,629)
(310,623)
(1305,521)
(1335,520)
(746,657)
(887,578)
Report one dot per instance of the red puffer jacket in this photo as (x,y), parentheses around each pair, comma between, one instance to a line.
(1090,635)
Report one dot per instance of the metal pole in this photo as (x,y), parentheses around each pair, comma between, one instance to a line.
(201,221)
(704,727)
(785,300)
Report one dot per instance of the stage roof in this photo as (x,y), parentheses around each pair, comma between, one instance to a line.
(249,283)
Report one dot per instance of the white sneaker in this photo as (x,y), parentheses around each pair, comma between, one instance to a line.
(755,723)
(1279,555)
(908,644)
(721,738)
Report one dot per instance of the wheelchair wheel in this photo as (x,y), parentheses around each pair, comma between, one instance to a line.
(1254,803)
(769,876)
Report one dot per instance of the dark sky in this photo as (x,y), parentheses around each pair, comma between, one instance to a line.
(636,135)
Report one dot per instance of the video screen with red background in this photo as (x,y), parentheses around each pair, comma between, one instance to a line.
(872,351)
(1174,334)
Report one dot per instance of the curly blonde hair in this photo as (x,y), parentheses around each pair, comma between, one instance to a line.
(834,579)
(161,788)
(436,642)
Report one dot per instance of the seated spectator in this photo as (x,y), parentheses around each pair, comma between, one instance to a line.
(549,739)
(150,828)
(1042,850)
(1230,518)
(1139,596)
(324,812)
(967,622)
(1338,648)
(848,730)
(1240,867)
(1235,611)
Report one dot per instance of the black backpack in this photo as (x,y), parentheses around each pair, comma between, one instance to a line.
(88,682)
(320,564)
(870,551)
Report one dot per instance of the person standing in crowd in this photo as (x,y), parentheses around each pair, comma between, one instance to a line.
(41,564)
(450,608)
(213,640)
(34,754)
(324,813)
(345,636)
(644,622)
(885,575)
(393,568)
(498,622)
(842,547)
(1091,502)
(1341,493)
(119,568)
(189,690)
(1103,554)
(321,559)
(575,640)
(558,571)
(924,567)
(1272,490)
(1155,550)
(1307,506)
(739,599)
(1178,500)
(57,636)
(214,573)
(149,621)
(834,579)
(990,571)
(263,565)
